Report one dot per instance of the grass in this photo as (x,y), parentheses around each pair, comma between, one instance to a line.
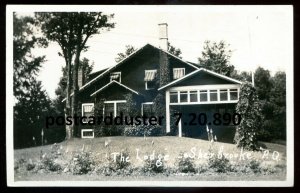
(166,145)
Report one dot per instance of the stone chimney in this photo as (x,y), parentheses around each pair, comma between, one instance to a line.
(163,36)
(81,78)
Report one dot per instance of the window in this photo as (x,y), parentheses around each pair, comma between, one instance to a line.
(203,95)
(178,73)
(108,108)
(213,95)
(121,108)
(223,95)
(183,96)
(233,94)
(149,79)
(114,107)
(87,110)
(174,97)
(193,96)
(147,109)
(115,76)
(87,133)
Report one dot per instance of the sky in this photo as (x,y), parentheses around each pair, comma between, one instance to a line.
(257,35)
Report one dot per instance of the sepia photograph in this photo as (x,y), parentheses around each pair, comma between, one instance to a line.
(151,96)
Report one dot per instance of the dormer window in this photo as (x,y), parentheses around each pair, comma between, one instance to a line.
(149,79)
(178,73)
(116,76)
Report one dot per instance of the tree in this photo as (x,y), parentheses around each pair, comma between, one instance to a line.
(71,30)
(173,50)
(249,109)
(216,57)
(278,99)
(121,56)
(62,85)
(25,65)
(29,116)
(262,82)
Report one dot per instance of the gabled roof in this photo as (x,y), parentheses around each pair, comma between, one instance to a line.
(129,56)
(197,71)
(111,83)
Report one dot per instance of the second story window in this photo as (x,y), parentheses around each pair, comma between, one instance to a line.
(150,77)
(116,76)
(178,73)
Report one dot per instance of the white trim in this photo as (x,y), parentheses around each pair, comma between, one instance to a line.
(87,130)
(115,105)
(86,104)
(112,73)
(208,90)
(107,85)
(180,128)
(196,71)
(178,69)
(168,126)
(142,106)
(205,87)
(118,64)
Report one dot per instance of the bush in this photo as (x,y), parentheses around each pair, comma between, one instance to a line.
(81,163)
(49,164)
(154,165)
(218,164)
(185,164)
(141,130)
(117,166)
(254,166)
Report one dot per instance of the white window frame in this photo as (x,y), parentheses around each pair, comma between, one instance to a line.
(178,69)
(115,106)
(87,130)
(115,73)
(146,82)
(142,106)
(208,88)
(86,104)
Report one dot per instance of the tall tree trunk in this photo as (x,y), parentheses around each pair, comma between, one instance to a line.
(76,88)
(69,132)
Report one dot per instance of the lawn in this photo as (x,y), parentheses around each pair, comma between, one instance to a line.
(272,162)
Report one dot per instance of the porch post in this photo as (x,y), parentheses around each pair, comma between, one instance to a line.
(179,128)
(168,128)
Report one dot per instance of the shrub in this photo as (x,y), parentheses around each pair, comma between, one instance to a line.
(49,161)
(30,166)
(49,164)
(141,130)
(218,164)
(81,163)
(117,166)
(254,166)
(185,164)
(154,165)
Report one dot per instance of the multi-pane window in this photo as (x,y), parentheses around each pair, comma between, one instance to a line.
(223,95)
(213,95)
(116,76)
(174,97)
(178,73)
(194,96)
(109,108)
(183,96)
(147,109)
(233,94)
(87,110)
(150,76)
(203,95)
